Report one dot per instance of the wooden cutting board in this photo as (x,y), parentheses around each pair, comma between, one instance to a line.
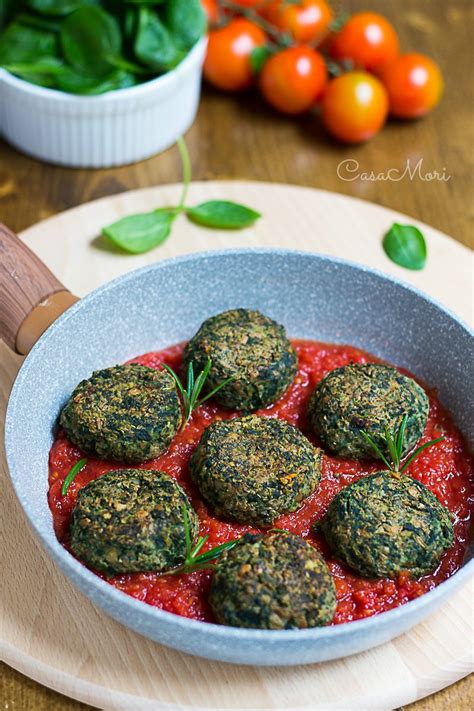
(52,633)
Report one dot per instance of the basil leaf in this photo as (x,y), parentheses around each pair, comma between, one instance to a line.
(186,20)
(154,45)
(406,246)
(222,214)
(140,233)
(91,40)
(58,7)
(20,44)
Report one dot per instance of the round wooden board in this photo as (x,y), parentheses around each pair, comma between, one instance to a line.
(52,633)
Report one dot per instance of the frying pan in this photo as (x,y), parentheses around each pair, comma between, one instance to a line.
(313,296)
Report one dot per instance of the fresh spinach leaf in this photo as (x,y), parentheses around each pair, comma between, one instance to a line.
(76,83)
(58,7)
(20,44)
(222,214)
(93,46)
(7,8)
(186,20)
(91,40)
(406,246)
(49,24)
(154,45)
(44,72)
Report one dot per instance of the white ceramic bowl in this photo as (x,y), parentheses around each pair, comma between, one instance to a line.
(114,128)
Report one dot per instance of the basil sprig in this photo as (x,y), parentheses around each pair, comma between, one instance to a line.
(406,246)
(144,231)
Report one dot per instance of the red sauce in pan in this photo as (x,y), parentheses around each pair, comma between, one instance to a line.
(444,468)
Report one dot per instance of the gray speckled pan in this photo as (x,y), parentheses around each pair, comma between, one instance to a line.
(314,297)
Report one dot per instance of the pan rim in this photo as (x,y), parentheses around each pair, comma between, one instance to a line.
(79,573)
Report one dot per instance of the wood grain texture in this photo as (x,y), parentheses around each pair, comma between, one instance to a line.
(242,138)
(52,633)
(293,217)
(24,282)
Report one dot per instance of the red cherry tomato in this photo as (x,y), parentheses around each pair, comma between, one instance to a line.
(211,10)
(354,107)
(292,80)
(414,84)
(368,39)
(306,20)
(227,65)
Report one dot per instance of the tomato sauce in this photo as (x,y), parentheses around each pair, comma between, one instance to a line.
(444,468)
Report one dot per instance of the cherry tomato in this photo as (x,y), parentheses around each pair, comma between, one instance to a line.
(414,84)
(211,10)
(306,20)
(354,107)
(292,80)
(368,39)
(227,65)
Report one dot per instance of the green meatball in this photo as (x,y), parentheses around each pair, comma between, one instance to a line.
(128,413)
(368,397)
(253,469)
(132,520)
(248,347)
(275,582)
(385,523)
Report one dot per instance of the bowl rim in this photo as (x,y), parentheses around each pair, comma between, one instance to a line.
(100,591)
(193,56)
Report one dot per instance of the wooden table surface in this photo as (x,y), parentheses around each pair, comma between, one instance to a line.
(242,138)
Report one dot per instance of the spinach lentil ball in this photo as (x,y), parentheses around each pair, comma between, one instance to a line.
(371,397)
(249,347)
(131,520)
(127,413)
(385,523)
(253,469)
(276,582)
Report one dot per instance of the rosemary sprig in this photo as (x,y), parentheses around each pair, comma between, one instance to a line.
(194,560)
(394,443)
(190,395)
(75,469)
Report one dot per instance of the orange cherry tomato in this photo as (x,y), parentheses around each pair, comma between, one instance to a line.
(354,107)
(368,39)
(305,21)
(227,65)
(211,9)
(292,80)
(414,84)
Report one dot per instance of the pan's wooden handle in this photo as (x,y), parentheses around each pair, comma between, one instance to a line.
(31,297)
